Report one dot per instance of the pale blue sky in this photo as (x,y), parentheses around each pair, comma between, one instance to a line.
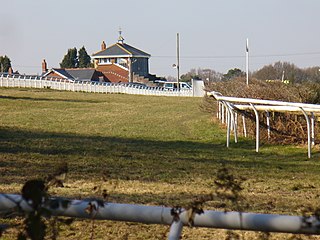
(212,32)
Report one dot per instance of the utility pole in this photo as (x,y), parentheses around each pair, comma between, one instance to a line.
(178,62)
(247,61)
(282,78)
(130,69)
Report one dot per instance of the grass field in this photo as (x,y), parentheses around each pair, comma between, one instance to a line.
(144,150)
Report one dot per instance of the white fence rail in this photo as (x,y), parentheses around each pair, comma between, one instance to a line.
(177,218)
(227,114)
(22,81)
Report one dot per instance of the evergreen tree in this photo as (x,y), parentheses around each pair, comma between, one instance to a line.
(70,60)
(5,64)
(84,58)
(232,73)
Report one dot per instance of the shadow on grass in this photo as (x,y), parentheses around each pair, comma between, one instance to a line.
(47,99)
(31,153)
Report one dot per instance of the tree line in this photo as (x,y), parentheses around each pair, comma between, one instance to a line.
(276,71)
(288,71)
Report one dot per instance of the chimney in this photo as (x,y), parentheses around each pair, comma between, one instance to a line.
(103,46)
(44,66)
(10,70)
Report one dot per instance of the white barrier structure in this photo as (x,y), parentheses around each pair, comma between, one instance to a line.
(165,216)
(228,107)
(198,88)
(22,81)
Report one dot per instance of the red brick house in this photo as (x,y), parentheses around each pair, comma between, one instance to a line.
(122,62)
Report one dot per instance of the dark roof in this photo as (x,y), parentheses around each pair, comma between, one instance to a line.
(75,73)
(81,74)
(121,49)
(62,72)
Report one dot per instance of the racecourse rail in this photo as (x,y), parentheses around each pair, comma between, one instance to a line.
(175,217)
(23,81)
(229,107)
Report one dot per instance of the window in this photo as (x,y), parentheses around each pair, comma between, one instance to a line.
(104,60)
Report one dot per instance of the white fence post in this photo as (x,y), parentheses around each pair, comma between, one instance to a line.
(268,124)
(175,230)
(308,130)
(257,127)
(312,129)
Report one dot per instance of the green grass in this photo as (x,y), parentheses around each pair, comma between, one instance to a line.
(154,150)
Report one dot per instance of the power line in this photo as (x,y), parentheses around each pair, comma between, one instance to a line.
(26,66)
(218,56)
(287,54)
(241,56)
(168,56)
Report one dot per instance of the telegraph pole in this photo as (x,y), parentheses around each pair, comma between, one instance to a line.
(178,62)
(247,61)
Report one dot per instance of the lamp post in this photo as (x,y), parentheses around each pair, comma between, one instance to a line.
(178,62)
(177,65)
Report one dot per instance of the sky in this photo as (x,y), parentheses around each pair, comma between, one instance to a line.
(212,33)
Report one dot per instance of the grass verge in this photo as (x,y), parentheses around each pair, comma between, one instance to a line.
(149,150)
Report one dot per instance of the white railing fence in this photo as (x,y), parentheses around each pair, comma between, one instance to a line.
(177,218)
(228,113)
(22,81)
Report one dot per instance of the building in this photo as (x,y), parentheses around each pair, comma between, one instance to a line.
(117,63)
(121,62)
(75,74)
